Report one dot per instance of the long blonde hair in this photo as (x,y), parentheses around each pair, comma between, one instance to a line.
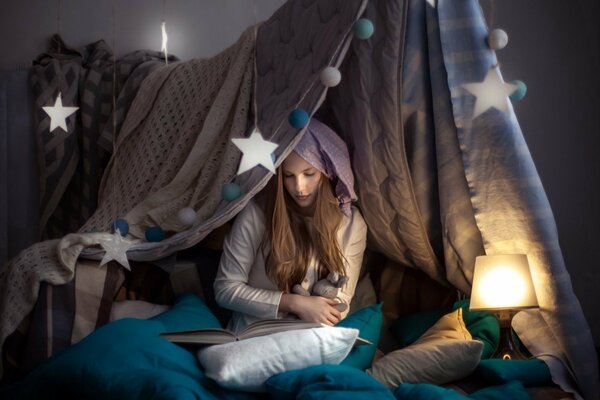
(288,238)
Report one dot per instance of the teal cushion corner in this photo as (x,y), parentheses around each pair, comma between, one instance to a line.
(368,321)
(531,372)
(125,359)
(408,328)
(425,391)
(512,390)
(482,325)
(189,312)
(331,382)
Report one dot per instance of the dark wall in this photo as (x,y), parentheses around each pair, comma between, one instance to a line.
(553,47)
(196,28)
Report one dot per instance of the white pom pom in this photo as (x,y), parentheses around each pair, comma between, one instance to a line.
(187,216)
(497,39)
(330,76)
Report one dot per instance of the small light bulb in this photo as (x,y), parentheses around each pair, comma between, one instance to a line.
(165,39)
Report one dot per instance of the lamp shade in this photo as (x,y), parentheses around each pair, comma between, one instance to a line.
(502,282)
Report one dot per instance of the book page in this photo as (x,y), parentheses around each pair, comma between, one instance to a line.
(266,327)
(201,336)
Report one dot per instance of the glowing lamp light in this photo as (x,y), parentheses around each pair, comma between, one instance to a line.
(502,284)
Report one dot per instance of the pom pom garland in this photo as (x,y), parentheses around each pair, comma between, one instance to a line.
(187,216)
(122,226)
(497,39)
(298,118)
(154,234)
(231,191)
(330,76)
(363,28)
(520,92)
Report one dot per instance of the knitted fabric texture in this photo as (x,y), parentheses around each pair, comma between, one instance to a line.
(159,166)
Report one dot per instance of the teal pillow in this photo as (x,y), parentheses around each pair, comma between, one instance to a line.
(330,382)
(408,328)
(425,391)
(125,359)
(513,390)
(368,321)
(482,325)
(189,312)
(532,372)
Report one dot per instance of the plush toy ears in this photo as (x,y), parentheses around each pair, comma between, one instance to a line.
(342,281)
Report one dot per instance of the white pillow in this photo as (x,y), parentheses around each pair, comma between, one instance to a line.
(442,354)
(247,364)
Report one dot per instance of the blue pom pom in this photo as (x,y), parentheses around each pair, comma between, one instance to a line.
(363,28)
(122,226)
(155,234)
(520,92)
(298,118)
(231,191)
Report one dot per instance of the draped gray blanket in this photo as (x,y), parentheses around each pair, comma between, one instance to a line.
(174,148)
(72,163)
(451,186)
(436,186)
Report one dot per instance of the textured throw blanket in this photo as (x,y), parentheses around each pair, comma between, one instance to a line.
(178,128)
(443,187)
(174,147)
(72,163)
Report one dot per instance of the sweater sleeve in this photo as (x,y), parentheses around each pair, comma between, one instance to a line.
(354,241)
(240,248)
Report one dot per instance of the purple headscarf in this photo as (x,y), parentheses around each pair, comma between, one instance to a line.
(326,151)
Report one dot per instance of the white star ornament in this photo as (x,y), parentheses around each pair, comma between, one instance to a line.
(116,249)
(491,92)
(59,114)
(256,150)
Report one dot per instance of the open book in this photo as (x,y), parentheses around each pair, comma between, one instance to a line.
(210,336)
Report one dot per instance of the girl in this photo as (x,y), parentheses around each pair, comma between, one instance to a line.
(303,229)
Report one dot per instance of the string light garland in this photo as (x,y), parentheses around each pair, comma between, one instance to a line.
(58,113)
(493,92)
(255,149)
(116,246)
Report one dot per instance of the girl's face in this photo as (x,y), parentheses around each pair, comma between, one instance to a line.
(301,179)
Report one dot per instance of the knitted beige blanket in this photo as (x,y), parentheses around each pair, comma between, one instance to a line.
(172,152)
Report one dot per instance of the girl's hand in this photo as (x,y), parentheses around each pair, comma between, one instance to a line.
(311,308)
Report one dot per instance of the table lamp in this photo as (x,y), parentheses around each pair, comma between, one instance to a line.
(502,284)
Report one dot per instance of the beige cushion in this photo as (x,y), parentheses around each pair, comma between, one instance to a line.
(444,353)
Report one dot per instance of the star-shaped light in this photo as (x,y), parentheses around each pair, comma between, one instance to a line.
(256,150)
(59,114)
(116,249)
(492,92)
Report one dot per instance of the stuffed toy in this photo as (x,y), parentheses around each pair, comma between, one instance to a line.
(327,287)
